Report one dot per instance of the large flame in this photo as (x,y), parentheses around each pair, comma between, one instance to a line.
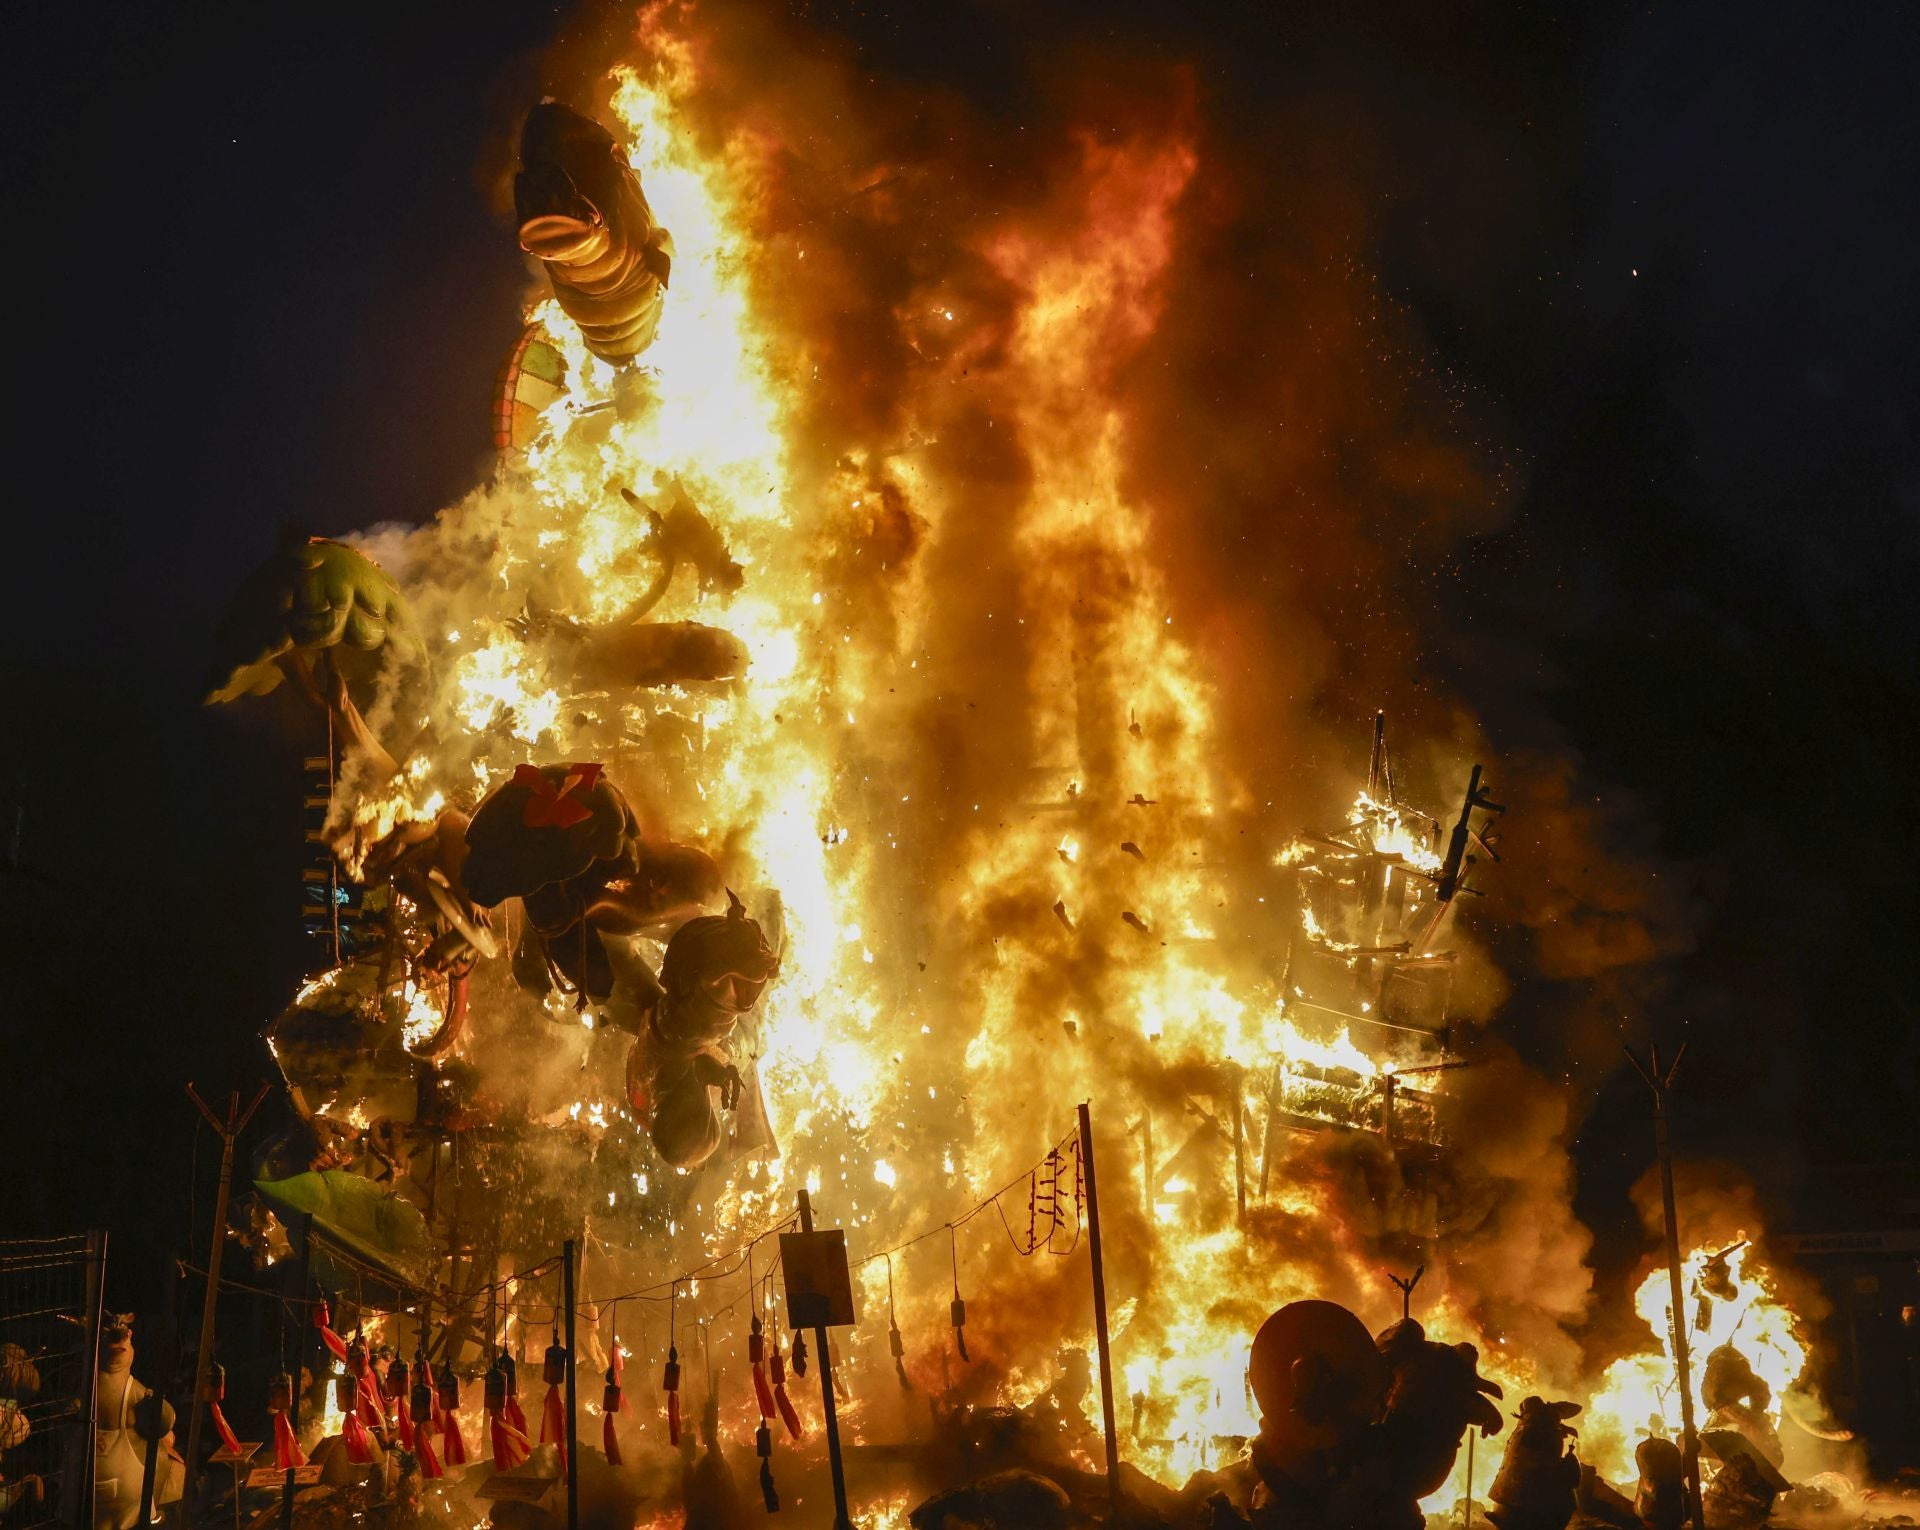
(1641,1390)
(965,955)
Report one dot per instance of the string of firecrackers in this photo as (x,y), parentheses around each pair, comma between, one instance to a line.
(1050,1194)
(1056,1193)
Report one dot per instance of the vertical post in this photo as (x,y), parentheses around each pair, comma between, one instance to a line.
(227,1130)
(1100,1305)
(76,1482)
(165,1372)
(1406,1290)
(1239,1143)
(303,1283)
(1466,1504)
(823,1357)
(572,1445)
(1659,1083)
(1266,1134)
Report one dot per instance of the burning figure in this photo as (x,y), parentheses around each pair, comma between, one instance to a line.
(1353,1430)
(564,840)
(583,215)
(1538,1479)
(714,973)
(324,614)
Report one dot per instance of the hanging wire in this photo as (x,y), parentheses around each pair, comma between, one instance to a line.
(1055,1200)
(958,1311)
(895,1342)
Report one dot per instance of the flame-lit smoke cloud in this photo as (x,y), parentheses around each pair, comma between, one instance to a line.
(1126,496)
(1306,480)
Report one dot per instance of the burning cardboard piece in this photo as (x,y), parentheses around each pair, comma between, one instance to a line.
(1742,1491)
(336,1047)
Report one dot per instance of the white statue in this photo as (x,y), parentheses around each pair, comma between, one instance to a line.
(120,1449)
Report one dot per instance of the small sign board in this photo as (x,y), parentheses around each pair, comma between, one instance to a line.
(503,1487)
(276,1476)
(247,1451)
(819,1287)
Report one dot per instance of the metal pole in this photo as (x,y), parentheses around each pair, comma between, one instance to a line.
(823,1357)
(227,1131)
(1466,1506)
(1659,1082)
(1100,1305)
(1146,1147)
(1239,1145)
(1690,1445)
(570,1446)
(76,1492)
(302,1284)
(168,1362)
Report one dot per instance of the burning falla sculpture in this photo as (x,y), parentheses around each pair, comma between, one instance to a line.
(630,650)
(565,841)
(583,216)
(1536,1487)
(324,615)
(713,974)
(1354,1430)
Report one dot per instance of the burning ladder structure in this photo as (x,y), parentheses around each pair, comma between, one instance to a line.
(1365,961)
(1364,974)
(331,913)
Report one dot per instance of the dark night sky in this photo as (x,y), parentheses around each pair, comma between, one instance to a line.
(258,280)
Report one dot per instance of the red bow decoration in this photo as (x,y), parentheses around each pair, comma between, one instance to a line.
(396,1391)
(556,807)
(612,1401)
(323,1320)
(286,1449)
(215,1393)
(453,1446)
(671,1382)
(508,1428)
(553,1412)
(789,1415)
(757,1358)
(422,1408)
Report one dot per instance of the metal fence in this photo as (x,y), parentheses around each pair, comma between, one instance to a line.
(50,1291)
